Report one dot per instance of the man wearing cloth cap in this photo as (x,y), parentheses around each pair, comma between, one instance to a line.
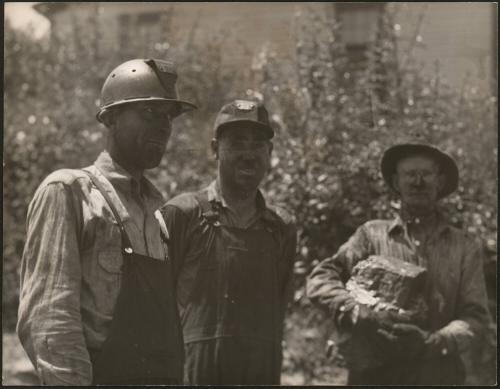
(420,174)
(233,258)
(97,302)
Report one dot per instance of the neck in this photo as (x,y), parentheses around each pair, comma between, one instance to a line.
(134,171)
(238,198)
(420,218)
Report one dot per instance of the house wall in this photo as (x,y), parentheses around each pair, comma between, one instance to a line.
(460,36)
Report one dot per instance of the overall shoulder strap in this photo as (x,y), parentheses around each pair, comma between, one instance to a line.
(126,244)
(209,217)
(205,205)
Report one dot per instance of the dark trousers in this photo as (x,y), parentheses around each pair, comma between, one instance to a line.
(436,371)
(230,361)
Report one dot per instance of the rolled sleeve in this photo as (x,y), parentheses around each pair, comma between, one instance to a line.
(49,322)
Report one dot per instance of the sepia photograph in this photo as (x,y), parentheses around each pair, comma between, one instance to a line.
(250,193)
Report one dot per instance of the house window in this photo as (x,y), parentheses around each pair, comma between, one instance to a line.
(147,24)
(359,25)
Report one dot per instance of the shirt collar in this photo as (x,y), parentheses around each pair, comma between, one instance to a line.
(398,224)
(215,195)
(123,180)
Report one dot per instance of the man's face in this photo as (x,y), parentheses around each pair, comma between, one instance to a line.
(140,133)
(418,181)
(244,154)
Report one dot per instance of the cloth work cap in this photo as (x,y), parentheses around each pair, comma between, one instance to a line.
(142,80)
(243,111)
(447,164)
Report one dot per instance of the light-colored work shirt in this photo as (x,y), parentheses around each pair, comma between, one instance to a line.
(71,265)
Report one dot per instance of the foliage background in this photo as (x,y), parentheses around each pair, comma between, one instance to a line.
(332,121)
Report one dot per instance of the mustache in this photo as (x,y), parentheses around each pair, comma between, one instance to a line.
(247,162)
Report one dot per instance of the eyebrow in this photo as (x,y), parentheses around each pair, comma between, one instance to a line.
(433,169)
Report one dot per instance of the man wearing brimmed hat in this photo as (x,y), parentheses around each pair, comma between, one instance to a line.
(97,302)
(454,290)
(233,256)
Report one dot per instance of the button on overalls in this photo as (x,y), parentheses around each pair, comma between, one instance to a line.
(145,341)
(230,321)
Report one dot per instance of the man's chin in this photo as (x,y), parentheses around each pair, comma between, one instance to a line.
(247,183)
(152,163)
(420,198)
(420,207)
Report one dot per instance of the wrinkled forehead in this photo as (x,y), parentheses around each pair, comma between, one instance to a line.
(419,160)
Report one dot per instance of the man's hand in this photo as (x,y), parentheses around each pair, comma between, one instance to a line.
(411,339)
(418,341)
(377,327)
(345,313)
(436,344)
(410,330)
(374,320)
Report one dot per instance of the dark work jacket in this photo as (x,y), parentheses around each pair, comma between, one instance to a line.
(231,281)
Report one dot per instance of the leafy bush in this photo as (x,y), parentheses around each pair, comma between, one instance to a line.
(333,122)
(51,98)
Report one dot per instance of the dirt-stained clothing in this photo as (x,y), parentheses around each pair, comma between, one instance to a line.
(233,284)
(144,345)
(455,292)
(71,271)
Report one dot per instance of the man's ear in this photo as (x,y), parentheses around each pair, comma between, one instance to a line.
(214,145)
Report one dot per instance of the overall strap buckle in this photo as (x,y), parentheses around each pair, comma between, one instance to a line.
(211,217)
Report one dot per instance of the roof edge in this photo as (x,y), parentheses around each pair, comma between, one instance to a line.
(48,9)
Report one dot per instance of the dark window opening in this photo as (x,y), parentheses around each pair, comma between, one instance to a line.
(359,26)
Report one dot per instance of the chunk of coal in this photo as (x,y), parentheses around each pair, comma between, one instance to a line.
(392,280)
(382,283)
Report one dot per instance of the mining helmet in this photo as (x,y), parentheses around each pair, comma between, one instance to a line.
(142,80)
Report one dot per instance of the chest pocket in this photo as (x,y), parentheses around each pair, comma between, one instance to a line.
(106,279)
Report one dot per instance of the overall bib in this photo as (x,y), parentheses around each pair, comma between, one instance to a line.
(230,321)
(145,342)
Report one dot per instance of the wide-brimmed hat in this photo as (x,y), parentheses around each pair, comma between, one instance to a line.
(241,111)
(447,164)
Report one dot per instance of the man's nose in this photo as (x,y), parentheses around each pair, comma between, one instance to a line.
(418,181)
(161,128)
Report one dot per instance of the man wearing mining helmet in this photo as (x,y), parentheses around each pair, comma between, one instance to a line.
(97,303)
(420,174)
